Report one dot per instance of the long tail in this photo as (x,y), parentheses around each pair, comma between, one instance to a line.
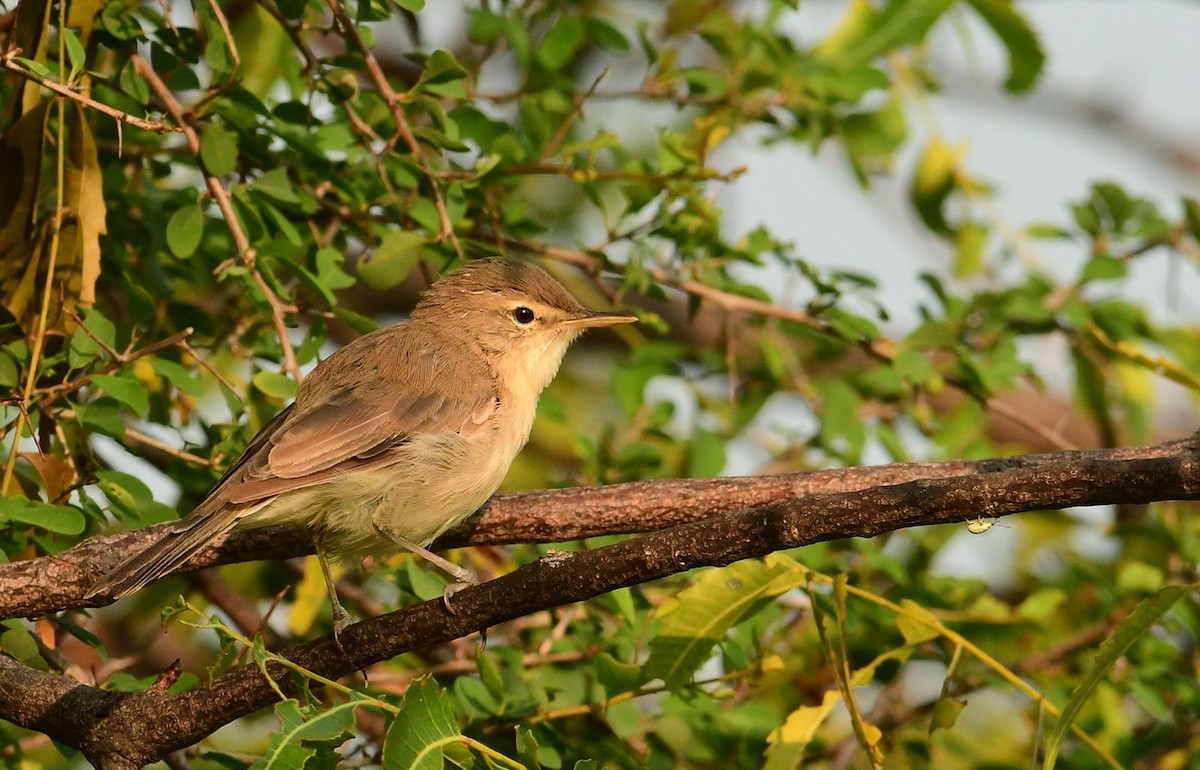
(162,557)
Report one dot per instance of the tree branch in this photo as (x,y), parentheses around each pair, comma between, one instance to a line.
(59,581)
(118,731)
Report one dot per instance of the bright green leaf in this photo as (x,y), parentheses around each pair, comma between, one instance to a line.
(218,149)
(392,260)
(1149,611)
(125,389)
(276,385)
(425,725)
(63,519)
(185,230)
(1026,59)
(698,618)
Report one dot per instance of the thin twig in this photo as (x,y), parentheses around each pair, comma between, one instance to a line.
(52,394)
(402,128)
(15,67)
(146,440)
(221,196)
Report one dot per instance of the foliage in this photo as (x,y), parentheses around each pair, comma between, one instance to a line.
(278,178)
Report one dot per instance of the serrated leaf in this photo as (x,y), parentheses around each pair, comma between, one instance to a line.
(696,620)
(185,230)
(1147,614)
(424,726)
(614,676)
(308,724)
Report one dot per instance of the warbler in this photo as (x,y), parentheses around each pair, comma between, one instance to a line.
(400,435)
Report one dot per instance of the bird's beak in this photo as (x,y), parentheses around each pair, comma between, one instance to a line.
(595,319)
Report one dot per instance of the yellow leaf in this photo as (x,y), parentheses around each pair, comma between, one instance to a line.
(785,744)
(916,624)
(311,596)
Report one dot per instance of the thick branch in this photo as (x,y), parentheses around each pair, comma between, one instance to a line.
(142,727)
(58,582)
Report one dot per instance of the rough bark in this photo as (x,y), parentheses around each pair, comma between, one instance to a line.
(127,730)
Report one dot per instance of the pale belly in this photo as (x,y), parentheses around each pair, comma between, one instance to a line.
(433,486)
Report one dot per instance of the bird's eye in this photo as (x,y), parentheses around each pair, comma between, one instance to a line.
(523,315)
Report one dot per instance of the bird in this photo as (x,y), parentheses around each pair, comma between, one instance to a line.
(398,436)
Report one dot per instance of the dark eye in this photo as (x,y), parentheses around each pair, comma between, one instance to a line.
(523,316)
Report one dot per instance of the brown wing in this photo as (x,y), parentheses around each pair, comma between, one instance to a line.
(349,415)
(353,413)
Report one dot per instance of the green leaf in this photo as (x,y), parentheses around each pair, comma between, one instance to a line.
(276,385)
(607,36)
(1026,59)
(63,519)
(9,375)
(20,644)
(177,376)
(299,724)
(75,52)
(441,67)
(706,456)
(36,67)
(1144,618)
(425,725)
(131,499)
(560,44)
(969,252)
(614,676)
(126,389)
(899,23)
(945,713)
(85,346)
(185,229)
(275,184)
(218,149)
(101,418)
(393,259)
(1103,268)
(916,624)
(694,621)
(932,184)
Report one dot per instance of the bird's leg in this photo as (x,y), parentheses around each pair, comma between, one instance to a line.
(463,578)
(341,618)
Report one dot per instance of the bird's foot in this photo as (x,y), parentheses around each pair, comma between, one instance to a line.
(463,578)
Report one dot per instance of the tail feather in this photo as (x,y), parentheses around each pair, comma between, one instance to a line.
(164,556)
